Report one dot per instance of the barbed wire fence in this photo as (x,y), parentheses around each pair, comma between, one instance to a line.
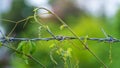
(6,40)
(59,38)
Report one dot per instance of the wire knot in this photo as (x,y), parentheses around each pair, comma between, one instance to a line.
(60,38)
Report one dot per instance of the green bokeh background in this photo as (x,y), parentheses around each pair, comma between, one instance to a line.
(82,24)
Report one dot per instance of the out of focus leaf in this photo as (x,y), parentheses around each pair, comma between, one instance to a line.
(51,56)
(62,27)
(26,61)
(20,45)
(52,45)
(0,44)
(69,52)
(24,48)
(85,39)
(33,47)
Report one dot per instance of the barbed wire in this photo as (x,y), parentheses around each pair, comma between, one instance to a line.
(59,38)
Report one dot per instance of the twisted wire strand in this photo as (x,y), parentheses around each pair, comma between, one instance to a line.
(59,38)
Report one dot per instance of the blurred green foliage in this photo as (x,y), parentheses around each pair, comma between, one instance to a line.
(83,25)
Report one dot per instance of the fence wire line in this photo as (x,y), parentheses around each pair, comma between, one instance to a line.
(59,38)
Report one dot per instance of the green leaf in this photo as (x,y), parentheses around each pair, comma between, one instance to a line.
(69,52)
(26,61)
(51,56)
(62,26)
(26,48)
(85,39)
(52,45)
(47,28)
(0,44)
(40,28)
(33,47)
(20,45)
(23,47)
(60,51)
(35,9)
